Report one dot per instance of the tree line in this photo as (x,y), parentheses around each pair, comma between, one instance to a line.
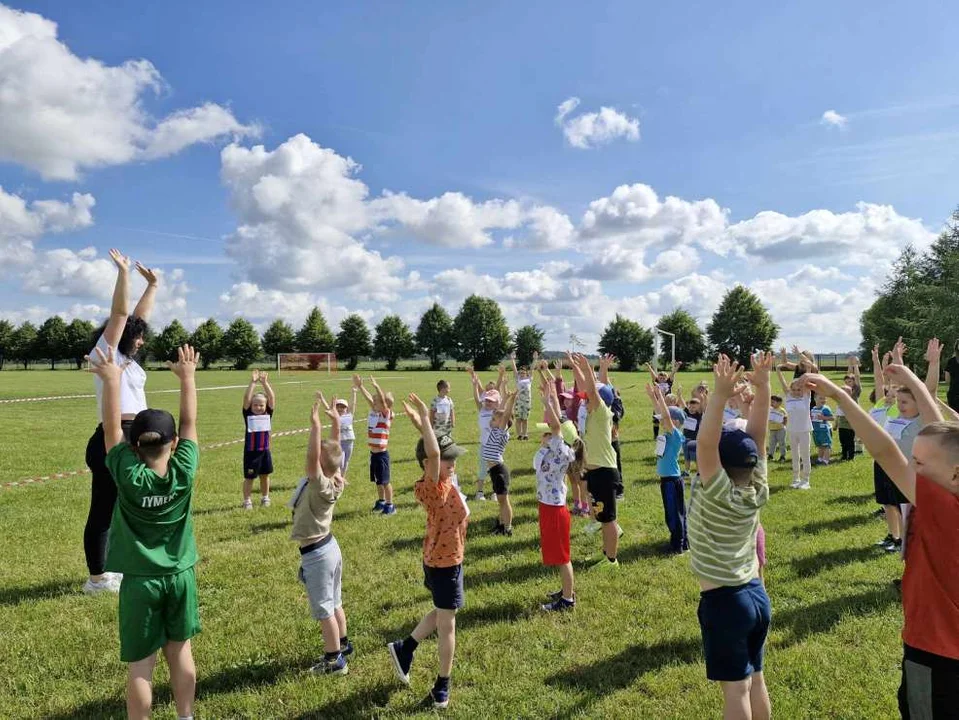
(478,334)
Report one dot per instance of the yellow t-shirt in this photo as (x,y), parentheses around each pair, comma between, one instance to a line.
(775,423)
(598,438)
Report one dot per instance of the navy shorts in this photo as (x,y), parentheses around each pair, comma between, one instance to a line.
(380,468)
(499,474)
(446,584)
(734,622)
(256,463)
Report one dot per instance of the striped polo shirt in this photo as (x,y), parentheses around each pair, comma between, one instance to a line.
(494,447)
(378,430)
(258,428)
(722,522)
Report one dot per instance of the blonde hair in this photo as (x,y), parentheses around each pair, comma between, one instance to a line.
(389,400)
(331,457)
(259,395)
(946,434)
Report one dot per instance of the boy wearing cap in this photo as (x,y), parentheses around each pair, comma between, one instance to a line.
(487,402)
(446,519)
(668,446)
(346,411)
(723,517)
(151,536)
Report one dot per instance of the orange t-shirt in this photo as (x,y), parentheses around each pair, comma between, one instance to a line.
(446,521)
(930,585)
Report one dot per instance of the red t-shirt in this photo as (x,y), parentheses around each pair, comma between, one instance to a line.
(930,585)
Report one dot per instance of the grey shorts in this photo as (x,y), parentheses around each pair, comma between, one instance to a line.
(321,571)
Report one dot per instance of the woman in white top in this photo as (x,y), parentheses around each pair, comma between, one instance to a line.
(126,335)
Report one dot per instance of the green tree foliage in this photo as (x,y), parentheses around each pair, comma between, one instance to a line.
(434,335)
(353,341)
(278,338)
(741,326)
(6,333)
(393,341)
(52,340)
(79,340)
(528,340)
(481,333)
(315,335)
(208,340)
(164,345)
(690,340)
(241,344)
(23,344)
(630,342)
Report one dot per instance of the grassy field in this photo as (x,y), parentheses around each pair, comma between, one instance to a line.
(631,648)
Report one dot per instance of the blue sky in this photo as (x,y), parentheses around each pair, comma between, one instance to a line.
(414,152)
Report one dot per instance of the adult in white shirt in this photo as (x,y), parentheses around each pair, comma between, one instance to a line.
(125,334)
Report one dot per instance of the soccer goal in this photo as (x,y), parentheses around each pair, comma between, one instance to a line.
(322,362)
(658,337)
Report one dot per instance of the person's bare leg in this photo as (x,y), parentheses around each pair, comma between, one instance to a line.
(505,510)
(736,697)
(341,621)
(247,489)
(759,698)
(893,520)
(264,485)
(331,634)
(610,539)
(566,575)
(426,627)
(140,688)
(179,656)
(380,492)
(446,638)
(388,493)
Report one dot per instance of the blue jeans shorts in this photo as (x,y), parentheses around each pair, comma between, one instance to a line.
(734,622)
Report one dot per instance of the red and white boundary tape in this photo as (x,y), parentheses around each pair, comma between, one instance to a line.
(44,397)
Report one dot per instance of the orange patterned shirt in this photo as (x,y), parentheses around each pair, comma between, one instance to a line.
(446,521)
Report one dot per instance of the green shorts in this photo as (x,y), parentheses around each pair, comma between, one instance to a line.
(155,610)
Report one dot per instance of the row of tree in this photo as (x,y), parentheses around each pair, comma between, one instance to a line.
(478,334)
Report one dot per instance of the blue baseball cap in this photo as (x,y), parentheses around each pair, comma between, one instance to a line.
(677,415)
(606,393)
(738,450)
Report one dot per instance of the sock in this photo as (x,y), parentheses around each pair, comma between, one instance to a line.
(331,655)
(344,641)
(186,717)
(410,645)
(442,683)
(611,559)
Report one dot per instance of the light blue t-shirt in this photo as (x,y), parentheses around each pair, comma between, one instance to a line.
(667,465)
(820,416)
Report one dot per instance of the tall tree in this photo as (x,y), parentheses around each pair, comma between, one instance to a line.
(78,347)
(52,340)
(528,340)
(690,341)
(278,338)
(434,335)
(23,344)
(353,341)
(241,343)
(315,335)
(630,342)
(164,346)
(741,325)
(480,332)
(6,333)
(393,341)
(208,341)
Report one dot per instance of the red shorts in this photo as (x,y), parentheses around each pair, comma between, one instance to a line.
(554,534)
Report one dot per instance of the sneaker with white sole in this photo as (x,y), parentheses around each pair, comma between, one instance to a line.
(247,504)
(592,527)
(560,604)
(481,497)
(804,485)
(795,483)
(402,661)
(265,501)
(335,666)
(95,587)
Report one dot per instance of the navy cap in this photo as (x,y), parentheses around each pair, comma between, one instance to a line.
(606,393)
(738,450)
(153,421)
(677,415)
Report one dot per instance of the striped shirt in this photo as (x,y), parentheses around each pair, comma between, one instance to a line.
(378,430)
(258,429)
(723,518)
(495,445)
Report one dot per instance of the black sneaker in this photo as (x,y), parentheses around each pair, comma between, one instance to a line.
(402,661)
(879,513)
(555,595)
(561,604)
(620,497)
(498,529)
(885,541)
(893,546)
(507,531)
(346,650)
(440,698)
(335,666)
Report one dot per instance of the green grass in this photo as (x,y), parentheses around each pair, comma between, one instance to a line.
(631,649)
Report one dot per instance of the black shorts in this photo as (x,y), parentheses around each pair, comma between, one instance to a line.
(499,475)
(601,485)
(446,584)
(930,685)
(380,467)
(256,463)
(887,492)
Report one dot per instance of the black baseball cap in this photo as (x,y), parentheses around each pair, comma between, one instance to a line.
(153,421)
(738,450)
(449,450)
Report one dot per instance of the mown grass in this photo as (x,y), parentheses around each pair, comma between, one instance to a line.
(631,649)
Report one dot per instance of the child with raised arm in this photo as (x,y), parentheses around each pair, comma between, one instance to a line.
(664,381)
(821,417)
(486,404)
(442,411)
(551,464)
(524,398)
(447,517)
(379,422)
(725,499)
(321,562)
(929,479)
(151,537)
(778,421)
(346,411)
(798,402)
(493,455)
(668,447)
(693,412)
(852,383)
(258,410)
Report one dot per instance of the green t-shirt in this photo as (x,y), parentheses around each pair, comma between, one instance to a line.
(599,438)
(152,529)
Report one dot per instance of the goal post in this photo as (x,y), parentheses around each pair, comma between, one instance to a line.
(658,337)
(312,362)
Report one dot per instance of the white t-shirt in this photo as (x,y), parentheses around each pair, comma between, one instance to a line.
(443,408)
(133,398)
(346,427)
(581,416)
(800,420)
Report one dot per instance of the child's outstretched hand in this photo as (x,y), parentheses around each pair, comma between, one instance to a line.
(651,393)
(315,415)
(727,375)
(148,274)
(821,385)
(417,402)
(321,398)
(357,382)
(331,410)
(899,352)
(762,364)
(185,365)
(105,366)
(255,376)
(264,376)
(374,383)
(413,415)
(934,351)
(120,260)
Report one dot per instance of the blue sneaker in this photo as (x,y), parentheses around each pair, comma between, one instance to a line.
(402,661)
(347,649)
(441,698)
(389,509)
(336,666)
(378,507)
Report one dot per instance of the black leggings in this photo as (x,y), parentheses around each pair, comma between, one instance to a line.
(103,496)
(620,488)
(847,439)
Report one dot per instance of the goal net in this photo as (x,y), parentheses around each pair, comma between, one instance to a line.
(322,362)
(661,337)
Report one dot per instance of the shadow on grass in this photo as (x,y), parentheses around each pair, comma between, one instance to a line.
(407,543)
(840,523)
(863,499)
(270,527)
(822,617)
(630,552)
(216,510)
(821,562)
(522,472)
(364,702)
(477,551)
(475,614)
(32,593)
(512,575)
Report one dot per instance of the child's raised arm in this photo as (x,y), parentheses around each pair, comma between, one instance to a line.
(268,389)
(674,370)
(604,362)
(782,381)
(315,443)
(185,369)
(431,465)
(658,400)
(899,373)
(727,376)
(933,357)
(144,308)
(477,396)
(380,395)
(358,385)
(587,381)
(250,389)
(877,374)
(507,410)
(119,307)
(501,380)
(353,402)
(854,371)
(109,372)
(757,424)
(512,359)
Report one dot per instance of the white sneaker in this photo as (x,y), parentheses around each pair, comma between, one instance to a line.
(247,504)
(795,483)
(804,485)
(592,527)
(481,497)
(107,584)
(619,530)
(265,501)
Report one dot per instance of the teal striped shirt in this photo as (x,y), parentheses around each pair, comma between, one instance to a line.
(722,522)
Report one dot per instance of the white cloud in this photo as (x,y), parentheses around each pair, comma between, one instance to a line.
(72,274)
(22,222)
(547,229)
(834,119)
(593,129)
(60,113)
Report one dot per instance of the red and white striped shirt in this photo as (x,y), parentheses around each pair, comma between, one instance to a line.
(378,430)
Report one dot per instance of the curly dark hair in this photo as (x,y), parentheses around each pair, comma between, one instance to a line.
(135,327)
